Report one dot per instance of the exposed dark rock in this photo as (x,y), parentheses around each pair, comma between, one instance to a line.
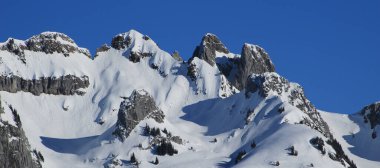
(18,50)
(54,42)
(118,42)
(206,50)
(319,144)
(138,106)
(137,56)
(145,37)
(255,60)
(15,151)
(48,42)
(272,82)
(226,65)
(192,71)
(102,48)
(121,41)
(64,85)
(372,114)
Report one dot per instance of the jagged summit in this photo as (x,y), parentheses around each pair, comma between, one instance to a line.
(138,45)
(47,42)
(133,39)
(53,36)
(253,59)
(138,100)
(208,47)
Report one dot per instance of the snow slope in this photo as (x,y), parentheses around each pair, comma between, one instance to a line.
(355,136)
(76,130)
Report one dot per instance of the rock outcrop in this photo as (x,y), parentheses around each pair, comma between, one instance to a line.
(50,42)
(209,45)
(138,106)
(254,60)
(16,48)
(371,114)
(15,151)
(120,42)
(102,48)
(137,45)
(47,42)
(64,85)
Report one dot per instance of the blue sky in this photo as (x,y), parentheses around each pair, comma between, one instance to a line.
(330,47)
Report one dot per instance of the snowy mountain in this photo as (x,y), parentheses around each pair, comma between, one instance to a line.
(135,105)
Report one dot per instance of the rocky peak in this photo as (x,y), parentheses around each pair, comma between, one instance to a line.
(137,44)
(371,113)
(208,47)
(130,39)
(253,59)
(53,36)
(47,42)
(50,42)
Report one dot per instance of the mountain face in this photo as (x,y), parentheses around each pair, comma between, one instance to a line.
(135,105)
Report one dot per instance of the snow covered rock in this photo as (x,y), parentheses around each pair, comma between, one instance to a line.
(138,106)
(16,47)
(191,105)
(270,83)
(46,42)
(137,46)
(50,42)
(102,48)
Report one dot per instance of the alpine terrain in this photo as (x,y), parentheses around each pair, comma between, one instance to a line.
(135,105)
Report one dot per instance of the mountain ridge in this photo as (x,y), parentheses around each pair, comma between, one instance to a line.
(216,104)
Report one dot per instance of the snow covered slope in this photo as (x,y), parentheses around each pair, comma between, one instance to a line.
(219,109)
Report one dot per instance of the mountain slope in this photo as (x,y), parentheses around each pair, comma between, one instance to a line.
(218,109)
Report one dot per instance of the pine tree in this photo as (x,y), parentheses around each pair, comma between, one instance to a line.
(240,156)
(133,159)
(156,161)
(253,144)
(165,131)
(147,130)
(293,151)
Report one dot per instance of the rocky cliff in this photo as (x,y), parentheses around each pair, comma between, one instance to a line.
(64,85)
(138,106)
(15,151)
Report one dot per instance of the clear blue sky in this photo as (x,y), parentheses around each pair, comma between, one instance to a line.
(330,47)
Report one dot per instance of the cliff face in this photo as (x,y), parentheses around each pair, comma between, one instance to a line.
(134,109)
(207,48)
(15,151)
(254,60)
(65,85)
